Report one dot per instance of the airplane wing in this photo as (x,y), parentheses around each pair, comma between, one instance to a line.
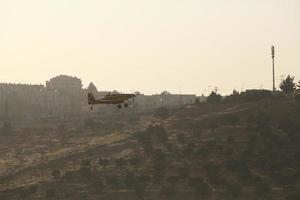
(110,99)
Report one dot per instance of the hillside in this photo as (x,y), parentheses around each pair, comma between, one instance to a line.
(206,151)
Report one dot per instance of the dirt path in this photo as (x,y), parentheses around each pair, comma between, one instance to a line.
(36,164)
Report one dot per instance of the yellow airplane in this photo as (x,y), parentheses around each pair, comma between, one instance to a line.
(111,98)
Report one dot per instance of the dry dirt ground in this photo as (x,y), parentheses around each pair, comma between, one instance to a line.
(30,161)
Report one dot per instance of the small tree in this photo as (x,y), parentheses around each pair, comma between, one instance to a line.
(140,190)
(235,93)
(157,133)
(112,181)
(159,156)
(146,141)
(297,98)
(197,101)
(262,190)
(24,193)
(159,166)
(212,124)
(50,193)
(262,121)
(130,180)
(184,172)
(168,191)
(62,128)
(172,180)
(85,163)
(213,172)
(69,175)
(90,123)
(121,163)
(56,174)
(214,97)
(159,171)
(293,195)
(234,191)
(6,128)
(85,168)
(85,172)
(189,149)
(135,161)
(181,138)
(230,139)
(201,188)
(162,112)
(144,179)
(103,162)
(287,85)
(203,152)
(98,185)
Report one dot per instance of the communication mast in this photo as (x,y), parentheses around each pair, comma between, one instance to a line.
(273,69)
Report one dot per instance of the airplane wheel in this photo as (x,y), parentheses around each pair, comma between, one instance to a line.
(119,106)
(125,105)
(91,107)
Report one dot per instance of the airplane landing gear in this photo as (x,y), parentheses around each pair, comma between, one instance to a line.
(119,106)
(91,107)
(125,105)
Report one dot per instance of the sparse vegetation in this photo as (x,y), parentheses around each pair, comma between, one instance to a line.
(214,97)
(228,151)
(287,85)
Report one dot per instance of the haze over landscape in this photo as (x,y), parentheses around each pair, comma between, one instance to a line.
(144,100)
(150,46)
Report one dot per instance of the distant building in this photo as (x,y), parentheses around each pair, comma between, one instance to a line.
(64,83)
(20,100)
(257,92)
(146,102)
(63,97)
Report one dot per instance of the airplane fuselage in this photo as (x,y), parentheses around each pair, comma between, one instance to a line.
(111,99)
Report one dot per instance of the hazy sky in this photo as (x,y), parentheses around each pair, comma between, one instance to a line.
(150,45)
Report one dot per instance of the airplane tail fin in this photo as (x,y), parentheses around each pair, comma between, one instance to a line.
(91,98)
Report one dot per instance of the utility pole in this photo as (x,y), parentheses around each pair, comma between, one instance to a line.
(273,56)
